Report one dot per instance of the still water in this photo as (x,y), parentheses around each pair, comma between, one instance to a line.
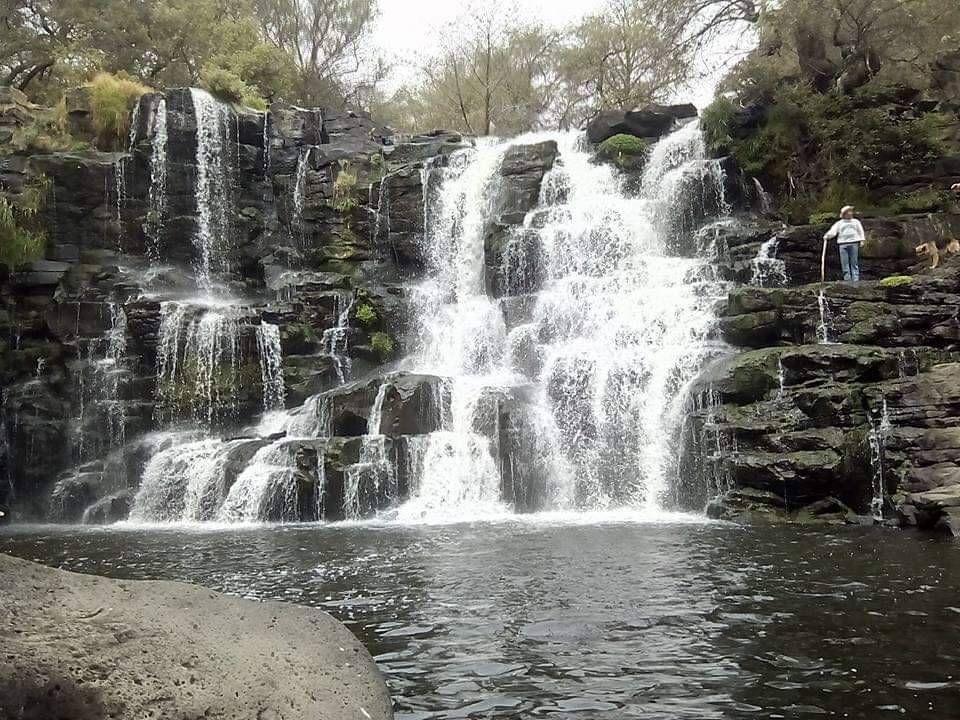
(554,619)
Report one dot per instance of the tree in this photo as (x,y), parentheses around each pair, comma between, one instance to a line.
(631,53)
(326,41)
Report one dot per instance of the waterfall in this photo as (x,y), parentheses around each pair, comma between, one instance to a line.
(768,269)
(120,193)
(823,327)
(373,466)
(198,361)
(266,144)
(300,189)
(334,340)
(268,476)
(213,171)
(619,327)
(880,430)
(271,366)
(99,367)
(158,181)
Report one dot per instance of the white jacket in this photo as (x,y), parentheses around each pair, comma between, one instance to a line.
(846,231)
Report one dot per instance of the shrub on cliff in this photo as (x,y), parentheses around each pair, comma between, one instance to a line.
(229,87)
(821,149)
(112,99)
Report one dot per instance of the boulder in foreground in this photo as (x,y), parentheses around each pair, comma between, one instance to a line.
(84,647)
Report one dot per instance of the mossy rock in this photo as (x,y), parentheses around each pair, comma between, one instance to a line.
(623,145)
(896,281)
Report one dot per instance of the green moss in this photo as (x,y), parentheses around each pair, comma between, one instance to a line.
(896,281)
(382,344)
(623,145)
(112,98)
(365,314)
(920,201)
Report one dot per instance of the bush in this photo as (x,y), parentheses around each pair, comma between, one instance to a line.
(623,145)
(822,218)
(716,121)
(921,201)
(810,141)
(382,344)
(344,199)
(366,315)
(18,244)
(229,87)
(896,281)
(112,98)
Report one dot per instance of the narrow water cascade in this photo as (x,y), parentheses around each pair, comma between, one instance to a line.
(768,269)
(335,339)
(823,327)
(880,429)
(300,190)
(211,238)
(270,353)
(157,196)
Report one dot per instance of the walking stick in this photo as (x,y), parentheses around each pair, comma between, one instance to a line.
(823,262)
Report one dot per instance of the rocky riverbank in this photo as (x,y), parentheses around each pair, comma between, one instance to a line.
(88,647)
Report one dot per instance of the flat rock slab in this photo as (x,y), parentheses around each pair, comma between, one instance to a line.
(84,647)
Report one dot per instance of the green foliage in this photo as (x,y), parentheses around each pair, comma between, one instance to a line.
(716,121)
(921,201)
(365,314)
(896,281)
(344,189)
(822,218)
(830,149)
(382,344)
(19,243)
(825,206)
(229,87)
(112,98)
(623,146)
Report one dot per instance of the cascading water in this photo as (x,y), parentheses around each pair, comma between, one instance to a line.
(823,327)
(158,181)
(880,429)
(198,356)
(334,340)
(213,173)
(768,269)
(619,327)
(271,365)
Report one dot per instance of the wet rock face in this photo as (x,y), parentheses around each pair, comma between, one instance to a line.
(305,253)
(649,122)
(836,407)
(512,255)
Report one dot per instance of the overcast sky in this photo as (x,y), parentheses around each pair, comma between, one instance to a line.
(408,27)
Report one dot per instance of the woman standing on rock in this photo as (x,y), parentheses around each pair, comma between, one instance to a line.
(849,234)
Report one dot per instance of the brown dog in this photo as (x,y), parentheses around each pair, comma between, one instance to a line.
(930,249)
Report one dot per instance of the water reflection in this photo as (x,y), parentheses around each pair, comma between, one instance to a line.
(593,621)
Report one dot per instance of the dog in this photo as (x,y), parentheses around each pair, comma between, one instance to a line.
(955,188)
(930,249)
